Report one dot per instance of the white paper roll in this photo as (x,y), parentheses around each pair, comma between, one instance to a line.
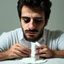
(34,51)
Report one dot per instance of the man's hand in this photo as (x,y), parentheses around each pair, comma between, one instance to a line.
(44,51)
(18,51)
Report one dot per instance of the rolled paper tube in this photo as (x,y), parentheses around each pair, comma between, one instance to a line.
(34,51)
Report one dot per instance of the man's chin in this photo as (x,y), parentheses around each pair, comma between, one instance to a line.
(31,38)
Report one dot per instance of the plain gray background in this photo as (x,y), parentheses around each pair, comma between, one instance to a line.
(9,17)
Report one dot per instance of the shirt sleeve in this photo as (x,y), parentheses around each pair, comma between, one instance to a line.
(7,39)
(4,42)
(61,42)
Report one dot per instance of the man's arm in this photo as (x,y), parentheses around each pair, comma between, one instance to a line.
(3,55)
(16,51)
(59,54)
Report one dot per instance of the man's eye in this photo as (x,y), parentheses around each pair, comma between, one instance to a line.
(37,20)
(27,20)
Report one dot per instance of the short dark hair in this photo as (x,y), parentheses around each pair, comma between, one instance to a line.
(43,4)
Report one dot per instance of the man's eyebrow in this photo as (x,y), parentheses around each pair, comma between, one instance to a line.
(34,17)
(39,17)
(25,17)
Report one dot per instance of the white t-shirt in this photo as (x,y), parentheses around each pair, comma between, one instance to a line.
(53,39)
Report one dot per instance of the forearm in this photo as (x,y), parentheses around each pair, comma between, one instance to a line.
(59,54)
(4,55)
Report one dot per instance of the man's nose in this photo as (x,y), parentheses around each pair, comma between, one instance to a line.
(31,24)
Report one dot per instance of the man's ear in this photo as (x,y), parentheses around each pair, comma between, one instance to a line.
(46,22)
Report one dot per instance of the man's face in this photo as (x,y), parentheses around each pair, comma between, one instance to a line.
(32,23)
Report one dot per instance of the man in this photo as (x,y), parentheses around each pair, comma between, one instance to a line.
(34,15)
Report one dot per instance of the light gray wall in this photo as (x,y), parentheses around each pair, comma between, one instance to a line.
(9,18)
(8,15)
(56,21)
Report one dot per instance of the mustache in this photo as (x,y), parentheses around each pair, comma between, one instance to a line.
(34,30)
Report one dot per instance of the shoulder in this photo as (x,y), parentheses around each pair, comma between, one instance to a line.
(54,33)
(55,39)
(12,31)
(11,34)
(9,38)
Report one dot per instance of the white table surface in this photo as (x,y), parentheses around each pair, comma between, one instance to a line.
(49,61)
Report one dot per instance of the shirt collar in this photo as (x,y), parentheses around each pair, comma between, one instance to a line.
(43,36)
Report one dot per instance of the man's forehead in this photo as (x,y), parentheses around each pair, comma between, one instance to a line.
(35,9)
(31,10)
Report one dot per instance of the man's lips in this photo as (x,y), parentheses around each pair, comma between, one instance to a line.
(32,33)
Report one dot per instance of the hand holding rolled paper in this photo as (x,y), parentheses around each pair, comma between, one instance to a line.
(34,58)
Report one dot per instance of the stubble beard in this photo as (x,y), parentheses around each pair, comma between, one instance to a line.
(32,38)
